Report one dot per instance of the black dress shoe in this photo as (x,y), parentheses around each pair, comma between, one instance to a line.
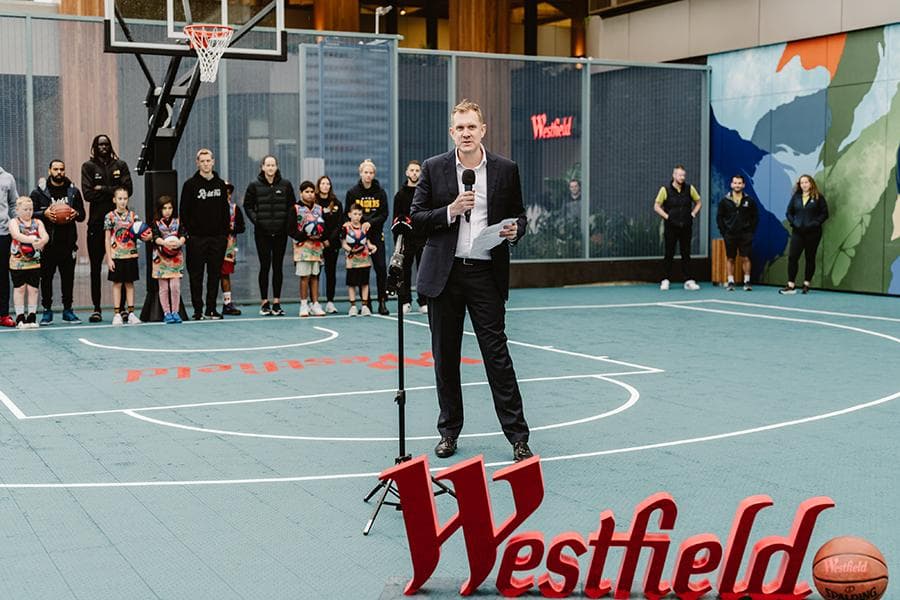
(382,308)
(521,451)
(446,447)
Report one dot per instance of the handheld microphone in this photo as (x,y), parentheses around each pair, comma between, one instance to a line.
(395,268)
(468,179)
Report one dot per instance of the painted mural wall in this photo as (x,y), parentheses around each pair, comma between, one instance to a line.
(828,107)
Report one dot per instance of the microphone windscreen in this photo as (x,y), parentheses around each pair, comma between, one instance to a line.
(468,177)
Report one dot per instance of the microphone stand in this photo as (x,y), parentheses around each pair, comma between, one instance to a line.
(394,287)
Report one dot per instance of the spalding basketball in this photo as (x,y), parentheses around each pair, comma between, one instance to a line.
(850,568)
(60,213)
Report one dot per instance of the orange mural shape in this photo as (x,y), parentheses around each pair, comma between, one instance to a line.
(816,52)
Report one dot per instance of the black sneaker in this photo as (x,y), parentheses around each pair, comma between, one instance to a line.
(31,321)
(198,316)
(20,322)
(748,287)
(230,309)
(788,290)
(805,289)
(277,311)
(729,287)
(445,448)
(382,308)
(212,315)
(264,309)
(521,451)
(95,317)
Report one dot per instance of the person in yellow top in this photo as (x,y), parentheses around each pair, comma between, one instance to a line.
(678,203)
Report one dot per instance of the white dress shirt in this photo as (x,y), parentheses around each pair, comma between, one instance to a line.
(478,218)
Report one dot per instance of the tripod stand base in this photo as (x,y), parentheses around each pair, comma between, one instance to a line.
(387,486)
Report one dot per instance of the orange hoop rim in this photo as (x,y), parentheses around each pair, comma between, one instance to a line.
(203,32)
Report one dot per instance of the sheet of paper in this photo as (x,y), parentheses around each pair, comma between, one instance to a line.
(488,238)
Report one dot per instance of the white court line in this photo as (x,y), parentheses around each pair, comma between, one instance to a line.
(304,397)
(791,319)
(15,410)
(342,476)
(592,306)
(806,310)
(633,397)
(551,348)
(331,335)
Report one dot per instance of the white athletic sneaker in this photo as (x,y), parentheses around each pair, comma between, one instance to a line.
(117,319)
(365,312)
(423,309)
(664,285)
(304,309)
(406,308)
(353,310)
(316,310)
(133,319)
(691,285)
(330,308)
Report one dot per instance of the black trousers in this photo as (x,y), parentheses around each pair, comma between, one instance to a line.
(379,263)
(55,258)
(96,246)
(5,241)
(681,235)
(411,253)
(805,241)
(331,256)
(205,253)
(270,248)
(473,288)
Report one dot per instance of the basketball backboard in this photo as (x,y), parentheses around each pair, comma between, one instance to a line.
(157,26)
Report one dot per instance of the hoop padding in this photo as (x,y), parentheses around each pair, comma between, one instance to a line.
(210,43)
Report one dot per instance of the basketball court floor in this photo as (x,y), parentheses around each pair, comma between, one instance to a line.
(230,459)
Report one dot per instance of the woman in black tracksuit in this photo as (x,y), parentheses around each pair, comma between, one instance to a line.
(806,212)
(333,213)
(269,204)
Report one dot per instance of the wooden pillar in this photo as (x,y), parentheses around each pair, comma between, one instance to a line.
(578,35)
(336,15)
(479,26)
(85,8)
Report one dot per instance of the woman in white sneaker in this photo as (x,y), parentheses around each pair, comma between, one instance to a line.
(333,213)
(806,212)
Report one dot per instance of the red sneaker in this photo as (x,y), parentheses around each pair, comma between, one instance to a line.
(7,321)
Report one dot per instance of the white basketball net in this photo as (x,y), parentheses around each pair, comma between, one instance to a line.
(209,42)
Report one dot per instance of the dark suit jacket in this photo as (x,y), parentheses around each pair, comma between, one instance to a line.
(437,188)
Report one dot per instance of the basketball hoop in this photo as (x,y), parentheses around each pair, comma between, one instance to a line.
(210,43)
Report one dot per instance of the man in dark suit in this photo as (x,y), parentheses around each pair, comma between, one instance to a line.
(454,279)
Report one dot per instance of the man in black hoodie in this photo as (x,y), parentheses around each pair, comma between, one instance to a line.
(100,176)
(369,194)
(60,252)
(737,217)
(206,217)
(413,241)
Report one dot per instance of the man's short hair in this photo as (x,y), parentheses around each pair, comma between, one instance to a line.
(466,105)
(56,160)
(203,151)
(679,167)
(739,176)
(413,162)
(367,163)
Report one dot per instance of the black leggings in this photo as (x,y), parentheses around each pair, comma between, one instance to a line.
(331,256)
(672,235)
(803,241)
(270,247)
(96,246)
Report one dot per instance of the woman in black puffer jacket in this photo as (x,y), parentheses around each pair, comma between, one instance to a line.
(269,203)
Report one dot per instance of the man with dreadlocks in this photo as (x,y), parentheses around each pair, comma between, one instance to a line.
(100,176)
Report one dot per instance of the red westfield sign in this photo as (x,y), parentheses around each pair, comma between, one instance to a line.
(558,128)
(698,555)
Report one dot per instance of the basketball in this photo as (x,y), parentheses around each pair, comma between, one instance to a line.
(59,213)
(850,568)
(140,230)
(166,251)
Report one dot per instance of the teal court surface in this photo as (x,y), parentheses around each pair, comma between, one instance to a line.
(230,459)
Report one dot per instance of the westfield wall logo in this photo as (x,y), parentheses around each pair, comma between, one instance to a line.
(696,557)
(558,128)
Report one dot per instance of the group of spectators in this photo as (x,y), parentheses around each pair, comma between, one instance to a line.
(39,237)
